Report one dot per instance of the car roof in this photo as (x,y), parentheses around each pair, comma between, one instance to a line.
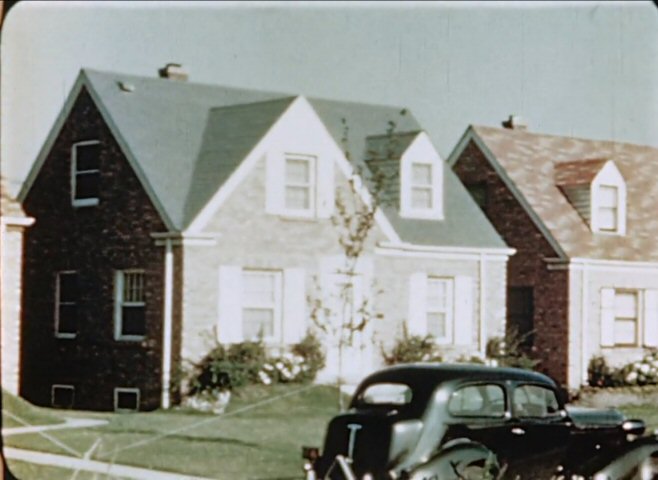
(432,374)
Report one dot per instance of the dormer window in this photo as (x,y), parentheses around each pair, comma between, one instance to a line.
(85,173)
(300,191)
(607,210)
(421,181)
(597,191)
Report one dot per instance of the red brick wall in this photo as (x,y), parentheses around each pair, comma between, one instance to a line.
(527,267)
(94,241)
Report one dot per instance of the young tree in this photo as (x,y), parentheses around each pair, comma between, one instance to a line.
(354,220)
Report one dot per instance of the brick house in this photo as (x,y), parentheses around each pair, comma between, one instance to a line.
(172,215)
(581,216)
(13,223)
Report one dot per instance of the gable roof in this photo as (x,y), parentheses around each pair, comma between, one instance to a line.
(185,139)
(529,163)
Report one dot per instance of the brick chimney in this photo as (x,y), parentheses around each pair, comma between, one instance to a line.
(173,71)
(515,122)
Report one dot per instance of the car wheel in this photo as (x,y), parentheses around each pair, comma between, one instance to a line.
(479,471)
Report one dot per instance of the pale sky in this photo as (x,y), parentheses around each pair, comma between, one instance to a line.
(581,69)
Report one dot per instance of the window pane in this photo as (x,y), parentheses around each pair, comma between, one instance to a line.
(298,198)
(607,196)
(67,321)
(127,400)
(133,287)
(257,322)
(133,321)
(87,157)
(68,287)
(421,174)
(608,218)
(436,324)
(298,171)
(86,185)
(534,401)
(626,304)
(421,198)
(258,288)
(625,332)
(387,394)
(437,294)
(478,401)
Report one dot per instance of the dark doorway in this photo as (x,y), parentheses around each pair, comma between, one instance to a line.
(520,314)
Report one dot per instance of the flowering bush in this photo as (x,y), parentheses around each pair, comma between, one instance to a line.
(642,372)
(412,348)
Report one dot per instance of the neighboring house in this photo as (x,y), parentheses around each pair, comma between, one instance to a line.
(581,215)
(172,215)
(13,222)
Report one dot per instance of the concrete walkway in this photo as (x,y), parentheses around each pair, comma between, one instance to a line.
(81,464)
(68,423)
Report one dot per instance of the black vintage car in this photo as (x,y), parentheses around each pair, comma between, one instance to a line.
(444,422)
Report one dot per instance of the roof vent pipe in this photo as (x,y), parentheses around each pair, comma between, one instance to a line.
(173,71)
(515,122)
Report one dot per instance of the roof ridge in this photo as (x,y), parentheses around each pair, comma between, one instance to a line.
(260,102)
(400,134)
(552,135)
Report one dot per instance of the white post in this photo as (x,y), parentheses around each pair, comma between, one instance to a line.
(483,307)
(584,322)
(167,324)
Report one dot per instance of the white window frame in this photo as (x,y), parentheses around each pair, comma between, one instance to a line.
(61,386)
(407,209)
(638,317)
(81,202)
(119,390)
(447,310)
(276,306)
(312,184)
(119,282)
(599,208)
(58,303)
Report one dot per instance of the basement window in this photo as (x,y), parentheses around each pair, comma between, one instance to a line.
(85,173)
(126,399)
(62,396)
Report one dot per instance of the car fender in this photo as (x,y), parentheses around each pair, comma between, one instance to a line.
(454,461)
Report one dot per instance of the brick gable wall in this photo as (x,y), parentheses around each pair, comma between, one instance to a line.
(527,267)
(94,241)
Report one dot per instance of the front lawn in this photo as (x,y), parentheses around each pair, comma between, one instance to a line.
(16,412)
(260,436)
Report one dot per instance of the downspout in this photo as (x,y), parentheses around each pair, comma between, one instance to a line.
(483,307)
(584,311)
(167,323)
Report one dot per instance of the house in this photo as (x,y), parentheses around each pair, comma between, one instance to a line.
(581,216)
(13,222)
(173,215)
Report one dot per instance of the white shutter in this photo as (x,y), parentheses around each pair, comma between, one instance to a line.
(326,186)
(294,305)
(463,311)
(607,317)
(651,318)
(417,321)
(275,181)
(229,326)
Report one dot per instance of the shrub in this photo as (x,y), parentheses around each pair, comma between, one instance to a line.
(510,351)
(642,372)
(599,374)
(310,349)
(224,368)
(412,348)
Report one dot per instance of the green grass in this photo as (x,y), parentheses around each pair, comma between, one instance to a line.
(13,407)
(262,442)
(648,413)
(30,471)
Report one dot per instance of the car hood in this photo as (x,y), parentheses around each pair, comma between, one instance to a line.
(585,417)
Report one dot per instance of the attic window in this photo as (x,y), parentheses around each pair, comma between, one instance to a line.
(608,211)
(85,173)
(421,180)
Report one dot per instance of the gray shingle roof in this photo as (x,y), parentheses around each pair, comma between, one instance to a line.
(187,139)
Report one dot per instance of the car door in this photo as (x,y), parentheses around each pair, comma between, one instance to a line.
(537,433)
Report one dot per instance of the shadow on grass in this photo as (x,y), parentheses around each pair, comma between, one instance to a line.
(185,438)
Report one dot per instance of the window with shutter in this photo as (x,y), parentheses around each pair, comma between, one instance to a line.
(85,173)
(261,305)
(626,318)
(439,308)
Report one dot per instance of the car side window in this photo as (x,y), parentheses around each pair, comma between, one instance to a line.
(535,401)
(486,400)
